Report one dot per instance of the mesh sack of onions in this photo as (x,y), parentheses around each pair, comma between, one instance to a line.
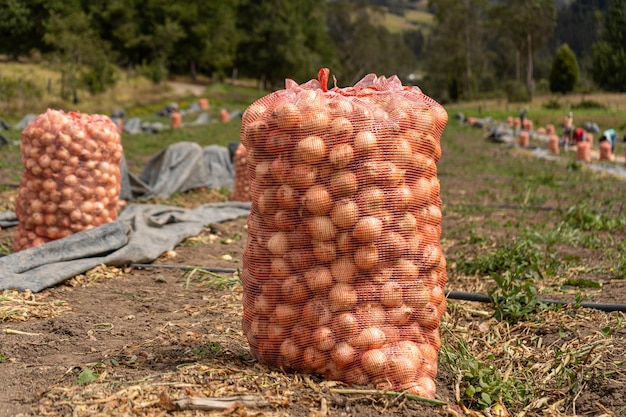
(241,187)
(70,179)
(343,273)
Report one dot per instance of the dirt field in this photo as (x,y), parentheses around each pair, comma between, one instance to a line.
(134,341)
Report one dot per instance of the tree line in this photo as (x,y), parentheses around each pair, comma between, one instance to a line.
(473,49)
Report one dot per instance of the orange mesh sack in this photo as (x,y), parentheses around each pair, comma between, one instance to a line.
(343,273)
(241,188)
(70,179)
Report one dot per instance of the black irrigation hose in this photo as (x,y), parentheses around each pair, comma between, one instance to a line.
(455,295)
(185,268)
(482,298)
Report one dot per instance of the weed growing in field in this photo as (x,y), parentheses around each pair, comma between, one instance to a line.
(585,218)
(208,350)
(520,257)
(210,279)
(482,384)
(514,298)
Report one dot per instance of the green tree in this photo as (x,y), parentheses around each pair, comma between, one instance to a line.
(363,45)
(16,24)
(211,37)
(282,39)
(609,54)
(456,51)
(531,23)
(564,71)
(79,52)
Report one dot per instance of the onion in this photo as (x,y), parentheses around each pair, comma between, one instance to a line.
(343,270)
(371,314)
(374,362)
(278,142)
(416,295)
(345,325)
(343,354)
(323,338)
(341,156)
(355,375)
(428,317)
(278,243)
(286,116)
(368,229)
(341,129)
(318,279)
(286,315)
(391,294)
(367,172)
(342,297)
(344,183)
(279,268)
(398,316)
(402,369)
(316,313)
(287,197)
(406,270)
(365,142)
(324,250)
(299,259)
(303,176)
(289,352)
(381,274)
(321,228)
(371,200)
(340,107)
(301,334)
(344,213)
(366,256)
(316,121)
(310,150)
(313,358)
(317,200)
(293,290)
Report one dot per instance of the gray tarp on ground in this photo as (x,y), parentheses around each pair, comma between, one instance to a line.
(184,166)
(141,234)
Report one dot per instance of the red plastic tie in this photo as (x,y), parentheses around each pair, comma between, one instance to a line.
(322,77)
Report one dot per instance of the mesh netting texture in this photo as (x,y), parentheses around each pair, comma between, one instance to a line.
(343,273)
(71,176)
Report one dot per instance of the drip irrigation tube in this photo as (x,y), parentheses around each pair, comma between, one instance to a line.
(455,295)
(482,298)
(185,268)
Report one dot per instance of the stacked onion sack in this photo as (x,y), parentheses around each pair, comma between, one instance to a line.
(241,186)
(71,176)
(343,272)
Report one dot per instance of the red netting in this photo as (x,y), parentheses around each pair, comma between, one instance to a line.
(343,273)
(241,186)
(70,179)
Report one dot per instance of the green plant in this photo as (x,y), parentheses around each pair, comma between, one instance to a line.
(86,376)
(208,350)
(588,104)
(514,298)
(583,217)
(552,104)
(210,279)
(3,358)
(520,256)
(564,71)
(482,384)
